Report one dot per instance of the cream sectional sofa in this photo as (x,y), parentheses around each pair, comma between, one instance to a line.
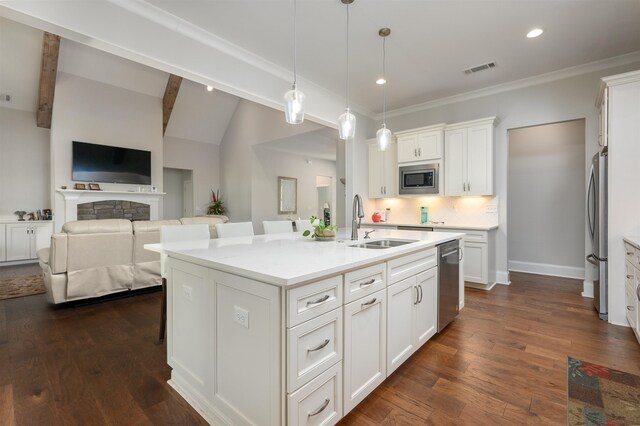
(93,258)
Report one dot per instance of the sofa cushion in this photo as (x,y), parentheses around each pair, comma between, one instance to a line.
(100,226)
(43,255)
(152,226)
(207,220)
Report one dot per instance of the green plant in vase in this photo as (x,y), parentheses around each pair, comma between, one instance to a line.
(217,205)
(320,230)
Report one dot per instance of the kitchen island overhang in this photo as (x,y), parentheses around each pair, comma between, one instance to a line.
(274,329)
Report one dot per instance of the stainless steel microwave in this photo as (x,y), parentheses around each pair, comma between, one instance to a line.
(418,180)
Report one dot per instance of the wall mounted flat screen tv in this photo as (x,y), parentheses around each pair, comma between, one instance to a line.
(110,164)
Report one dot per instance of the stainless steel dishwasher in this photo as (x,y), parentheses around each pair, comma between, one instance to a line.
(448,283)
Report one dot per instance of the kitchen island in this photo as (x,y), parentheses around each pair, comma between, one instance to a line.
(282,330)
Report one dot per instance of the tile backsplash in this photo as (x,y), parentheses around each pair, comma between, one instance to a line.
(451,210)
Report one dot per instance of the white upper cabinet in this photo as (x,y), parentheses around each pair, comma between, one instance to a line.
(423,144)
(383,171)
(468,157)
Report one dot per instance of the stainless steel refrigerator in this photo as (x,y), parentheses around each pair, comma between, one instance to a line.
(597,222)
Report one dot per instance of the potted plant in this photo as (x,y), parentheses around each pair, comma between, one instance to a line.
(217,205)
(321,232)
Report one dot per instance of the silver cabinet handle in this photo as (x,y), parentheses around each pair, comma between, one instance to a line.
(461,254)
(468,186)
(320,346)
(320,409)
(630,308)
(369,303)
(420,288)
(629,253)
(638,292)
(415,152)
(415,302)
(629,276)
(368,283)
(464,186)
(318,301)
(419,152)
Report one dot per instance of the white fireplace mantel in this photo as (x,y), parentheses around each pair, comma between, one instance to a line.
(74,197)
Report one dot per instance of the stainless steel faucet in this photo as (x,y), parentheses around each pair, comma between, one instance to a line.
(358,212)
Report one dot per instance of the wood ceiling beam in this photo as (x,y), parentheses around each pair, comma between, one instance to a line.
(169,99)
(48,72)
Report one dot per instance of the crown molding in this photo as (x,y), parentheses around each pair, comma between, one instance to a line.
(577,70)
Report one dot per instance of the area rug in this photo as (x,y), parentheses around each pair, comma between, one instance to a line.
(602,396)
(27,285)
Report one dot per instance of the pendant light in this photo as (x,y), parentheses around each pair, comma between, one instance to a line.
(347,121)
(294,98)
(383,136)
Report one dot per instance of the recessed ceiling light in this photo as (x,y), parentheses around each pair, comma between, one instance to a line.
(381,81)
(209,88)
(536,32)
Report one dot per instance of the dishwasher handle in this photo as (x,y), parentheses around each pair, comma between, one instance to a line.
(449,253)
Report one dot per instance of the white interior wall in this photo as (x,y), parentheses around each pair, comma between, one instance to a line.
(24,163)
(251,124)
(547,199)
(172,202)
(555,101)
(88,111)
(203,159)
(269,165)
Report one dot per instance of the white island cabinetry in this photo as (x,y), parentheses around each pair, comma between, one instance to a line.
(300,347)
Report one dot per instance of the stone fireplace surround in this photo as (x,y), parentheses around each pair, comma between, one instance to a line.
(113,209)
(74,200)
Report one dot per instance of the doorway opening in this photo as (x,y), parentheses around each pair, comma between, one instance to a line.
(546,199)
(178,186)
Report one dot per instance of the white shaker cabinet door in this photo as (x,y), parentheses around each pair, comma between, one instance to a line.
(475,263)
(426,321)
(40,237)
(430,145)
(400,341)
(376,172)
(480,160)
(390,175)
(455,162)
(407,148)
(365,348)
(18,241)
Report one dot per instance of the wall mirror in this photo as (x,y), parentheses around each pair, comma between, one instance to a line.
(287,195)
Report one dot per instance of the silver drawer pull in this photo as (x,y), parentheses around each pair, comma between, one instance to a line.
(630,308)
(369,303)
(321,300)
(320,346)
(629,276)
(629,253)
(368,283)
(638,292)
(320,409)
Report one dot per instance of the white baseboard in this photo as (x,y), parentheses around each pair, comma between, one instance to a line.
(587,289)
(486,287)
(547,269)
(502,277)
(18,262)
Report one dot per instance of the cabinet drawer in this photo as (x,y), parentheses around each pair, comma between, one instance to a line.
(312,347)
(629,273)
(474,236)
(413,264)
(309,301)
(319,402)
(631,307)
(364,281)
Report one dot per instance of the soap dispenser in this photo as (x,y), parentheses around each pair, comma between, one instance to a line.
(424,215)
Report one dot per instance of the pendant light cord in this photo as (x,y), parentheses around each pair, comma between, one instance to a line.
(384,86)
(295,44)
(347,84)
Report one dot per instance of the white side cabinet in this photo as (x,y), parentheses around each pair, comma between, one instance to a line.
(632,287)
(422,144)
(383,171)
(23,240)
(468,158)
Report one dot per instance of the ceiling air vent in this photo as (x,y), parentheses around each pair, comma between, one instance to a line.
(479,68)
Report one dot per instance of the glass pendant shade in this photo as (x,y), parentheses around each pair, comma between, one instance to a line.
(294,106)
(347,125)
(383,136)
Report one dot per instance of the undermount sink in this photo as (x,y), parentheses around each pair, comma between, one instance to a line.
(382,244)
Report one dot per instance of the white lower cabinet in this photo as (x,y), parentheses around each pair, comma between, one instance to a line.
(3,245)
(632,288)
(319,402)
(365,349)
(412,316)
(476,264)
(23,240)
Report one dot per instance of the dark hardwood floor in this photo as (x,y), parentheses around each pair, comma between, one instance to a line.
(503,361)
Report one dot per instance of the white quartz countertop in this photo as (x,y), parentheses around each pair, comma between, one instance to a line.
(436,226)
(291,259)
(633,240)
